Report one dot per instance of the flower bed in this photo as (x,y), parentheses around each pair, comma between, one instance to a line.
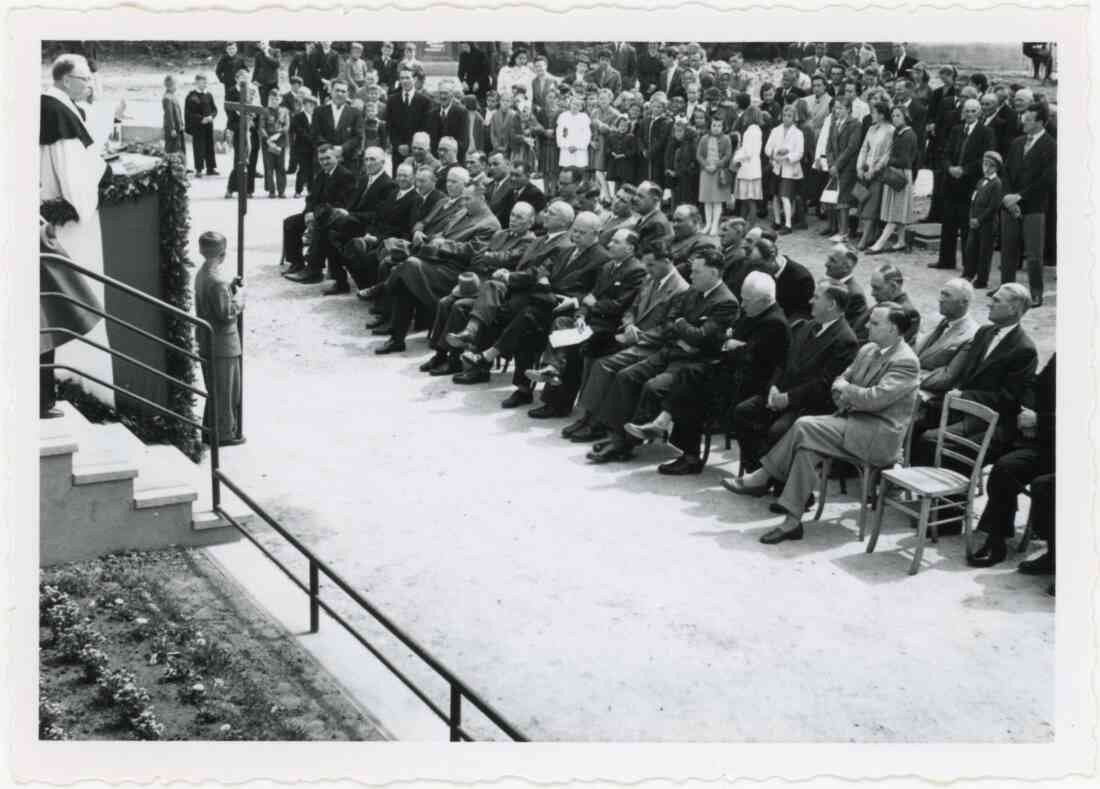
(156,646)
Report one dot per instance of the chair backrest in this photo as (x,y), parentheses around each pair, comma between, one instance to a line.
(955,445)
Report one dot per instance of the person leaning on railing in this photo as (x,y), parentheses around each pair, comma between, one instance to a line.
(219,299)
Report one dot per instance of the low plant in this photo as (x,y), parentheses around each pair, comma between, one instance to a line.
(49,720)
(72,640)
(94,661)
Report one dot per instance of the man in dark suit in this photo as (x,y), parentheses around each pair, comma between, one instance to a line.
(332,187)
(1029,178)
(407,112)
(605,76)
(901,64)
(541,85)
(757,347)
(602,310)
(473,69)
(998,364)
(265,70)
(1031,458)
(392,218)
(448,159)
(340,124)
(874,398)
(449,121)
(672,75)
(625,60)
(839,268)
(520,190)
(654,133)
(324,64)
(887,285)
(374,191)
(652,224)
(386,66)
(691,336)
(962,167)
(502,254)
(943,116)
(649,69)
(788,91)
(794,284)
(558,289)
(820,350)
(687,241)
(228,66)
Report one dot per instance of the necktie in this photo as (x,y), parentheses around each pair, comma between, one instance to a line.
(408,98)
(83,115)
(934,337)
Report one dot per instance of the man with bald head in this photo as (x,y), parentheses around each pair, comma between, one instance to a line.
(520,189)
(621,216)
(942,351)
(502,255)
(447,151)
(962,167)
(888,285)
(557,289)
(374,189)
(687,239)
(432,272)
(756,348)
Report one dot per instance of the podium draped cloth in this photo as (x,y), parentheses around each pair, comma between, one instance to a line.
(71,169)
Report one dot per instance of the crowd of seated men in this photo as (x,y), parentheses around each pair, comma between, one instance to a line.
(673,334)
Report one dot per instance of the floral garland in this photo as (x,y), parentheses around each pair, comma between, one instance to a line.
(168,179)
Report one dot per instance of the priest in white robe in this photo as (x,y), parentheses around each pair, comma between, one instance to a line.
(71,169)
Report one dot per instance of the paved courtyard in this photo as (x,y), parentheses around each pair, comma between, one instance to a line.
(610,603)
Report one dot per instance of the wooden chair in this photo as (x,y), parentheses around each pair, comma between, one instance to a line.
(937,488)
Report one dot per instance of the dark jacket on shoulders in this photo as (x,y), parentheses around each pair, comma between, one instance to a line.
(707,315)
(813,363)
(794,287)
(1000,380)
(334,191)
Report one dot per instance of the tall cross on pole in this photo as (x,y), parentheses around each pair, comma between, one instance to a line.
(244,186)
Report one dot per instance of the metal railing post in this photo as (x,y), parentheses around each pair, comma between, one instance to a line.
(456,713)
(314,591)
(211,407)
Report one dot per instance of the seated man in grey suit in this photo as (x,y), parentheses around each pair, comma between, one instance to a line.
(874,399)
(942,351)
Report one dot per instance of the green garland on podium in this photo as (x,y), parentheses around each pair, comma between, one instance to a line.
(169,180)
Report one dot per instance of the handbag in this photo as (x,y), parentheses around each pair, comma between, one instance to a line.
(831,193)
(860,192)
(725,177)
(894,178)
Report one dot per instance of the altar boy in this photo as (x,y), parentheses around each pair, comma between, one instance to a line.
(219,299)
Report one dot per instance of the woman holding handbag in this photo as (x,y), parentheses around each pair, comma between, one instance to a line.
(713,154)
(873,157)
(748,180)
(897,192)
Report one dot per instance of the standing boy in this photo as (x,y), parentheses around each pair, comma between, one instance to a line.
(198,120)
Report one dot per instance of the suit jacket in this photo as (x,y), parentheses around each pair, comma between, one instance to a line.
(301,135)
(788,95)
(652,227)
(394,217)
(1032,176)
(531,194)
(625,60)
(682,250)
(676,88)
(387,72)
(196,107)
(649,310)
(1006,128)
(942,353)
(1041,398)
(708,316)
(348,134)
(965,151)
(536,260)
(654,134)
(813,363)
(335,190)
(573,276)
(453,123)
(613,224)
(473,67)
(540,87)
(862,326)
(404,121)
(767,339)
(944,111)
(367,201)
(496,192)
(1000,380)
(617,284)
(918,120)
(439,217)
(504,250)
(425,206)
(810,64)
(882,398)
(465,238)
(610,79)
(903,68)
(649,73)
(843,149)
(986,200)
(856,311)
(794,287)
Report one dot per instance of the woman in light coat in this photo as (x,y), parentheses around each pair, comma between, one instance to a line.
(748,181)
(873,157)
(784,150)
(574,133)
(897,203)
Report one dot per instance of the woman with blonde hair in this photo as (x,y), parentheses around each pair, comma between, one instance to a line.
(873,157)
(748,173)
(897,191)
(784,150)
(713,155)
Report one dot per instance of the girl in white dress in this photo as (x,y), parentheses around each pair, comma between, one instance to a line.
(574,133)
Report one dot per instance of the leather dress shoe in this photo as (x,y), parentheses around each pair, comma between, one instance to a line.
(448,366)
(295,268)
(681,466)
(390,346)
(433,361)
(517,398)
(475,359)
(545,375)
(569,430)
(647,432)
(463,339)
(369,294)
(937,265)
(1042,565)
(588,433)
(777,535)
(734,485)
(777,508)
(612,452)
(473,375)
(547,411)
(306,277)
(335,289)
(381,329)
(993,552)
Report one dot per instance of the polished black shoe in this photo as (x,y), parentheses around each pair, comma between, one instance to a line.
(464,339)
(612,452)
(993,552)
(295,268)
(681,466)
(547,411)
(390,346)
(517,398)
(569,430)
(335,289)
(473,375)
(433,361)
(937,264)
(306,277)
(778,509)
(1042,565)
(777,535)
(588,433)
(448,366)
(734,485)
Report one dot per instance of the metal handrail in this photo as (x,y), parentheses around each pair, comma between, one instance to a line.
(459,690)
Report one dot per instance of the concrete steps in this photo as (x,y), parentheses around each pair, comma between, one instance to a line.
(103,490)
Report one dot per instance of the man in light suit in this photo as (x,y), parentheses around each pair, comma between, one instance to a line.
(942,351)
(874,399)
(340,124)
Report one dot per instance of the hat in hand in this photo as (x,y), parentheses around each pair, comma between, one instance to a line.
(466,288)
